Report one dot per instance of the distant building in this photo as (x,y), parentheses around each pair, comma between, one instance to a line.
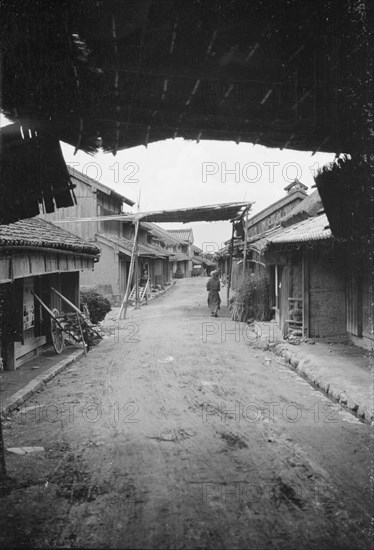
(184,253)
(263,221)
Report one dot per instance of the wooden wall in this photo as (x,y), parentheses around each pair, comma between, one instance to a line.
(29,263)
(359,303)
(85,207)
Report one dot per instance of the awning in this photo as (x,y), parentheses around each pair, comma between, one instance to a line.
(208,213)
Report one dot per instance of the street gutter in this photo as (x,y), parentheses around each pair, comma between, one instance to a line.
(337,391)
(17,399)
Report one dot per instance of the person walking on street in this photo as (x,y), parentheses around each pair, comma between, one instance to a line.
(213,287)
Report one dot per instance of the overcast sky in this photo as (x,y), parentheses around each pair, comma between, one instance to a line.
(178,174)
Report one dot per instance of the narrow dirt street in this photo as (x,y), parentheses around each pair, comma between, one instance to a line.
(177,433)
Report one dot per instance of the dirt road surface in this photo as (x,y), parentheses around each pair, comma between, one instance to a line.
(176,433)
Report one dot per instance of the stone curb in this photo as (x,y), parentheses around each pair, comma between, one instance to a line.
(303,367)
(18,398)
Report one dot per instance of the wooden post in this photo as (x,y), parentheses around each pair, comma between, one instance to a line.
(276,283)
(230,270)
(245,244)
(123,310)
(137,301)
(305,289)
(73,306)
(81,332)
(2,449)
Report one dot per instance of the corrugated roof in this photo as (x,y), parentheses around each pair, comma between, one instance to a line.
(260,242)
(312,229)
(40,233)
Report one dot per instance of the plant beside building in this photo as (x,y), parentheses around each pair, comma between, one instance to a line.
(98,306)
(251,300)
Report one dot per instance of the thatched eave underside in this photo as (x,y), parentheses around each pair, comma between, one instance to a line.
(285,74)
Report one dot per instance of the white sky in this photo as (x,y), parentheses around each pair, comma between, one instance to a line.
(179,174)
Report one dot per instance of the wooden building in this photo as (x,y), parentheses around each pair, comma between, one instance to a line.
(115,238)
(306,273)
(35,256)
(95,199)
(319,285)
(351,222)
(183,259)
(258,224)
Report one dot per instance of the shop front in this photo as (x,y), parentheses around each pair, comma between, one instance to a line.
(31,268)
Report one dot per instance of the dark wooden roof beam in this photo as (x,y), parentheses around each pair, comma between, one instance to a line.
(252,51)
(209,74)
(266,96)
(303,97)
(195,88)
(288,141)
(321,145)
(165,88)
(210,45)
(173,37)
(296,53)
(116,84)
(79,136)
(147,136)
(227,93)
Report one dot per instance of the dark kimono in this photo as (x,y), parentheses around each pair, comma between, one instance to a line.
(213,287)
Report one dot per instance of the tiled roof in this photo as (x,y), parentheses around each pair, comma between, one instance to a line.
(312,229)
(158,231)
(199,258)
(179,257)
(145,250)
(182,234)
(307,208)
(40,233)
